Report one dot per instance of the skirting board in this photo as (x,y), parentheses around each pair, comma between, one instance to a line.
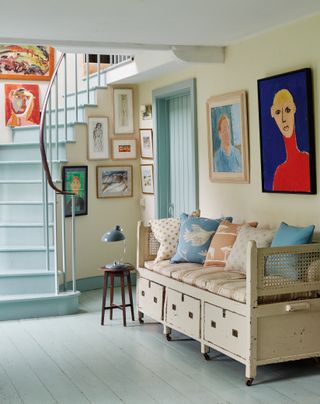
(96,282)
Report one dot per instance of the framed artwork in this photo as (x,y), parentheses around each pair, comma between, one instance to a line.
(146,143)
(123,111)
(124,149)
(147,178)
(146,112)
(98,139)
(114,181)
(287,133)
(26,62)
(75,179)
(228,138)
(22,104)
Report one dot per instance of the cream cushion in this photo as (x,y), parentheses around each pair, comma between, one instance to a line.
(166,231)
(237,260)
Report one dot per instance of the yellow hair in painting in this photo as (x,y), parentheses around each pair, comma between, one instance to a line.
(282,96)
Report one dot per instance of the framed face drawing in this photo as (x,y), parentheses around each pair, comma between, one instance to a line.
(98,140)
(228,138)
(75,180)
(287,133)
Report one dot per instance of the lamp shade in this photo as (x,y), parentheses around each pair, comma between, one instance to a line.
(113,235)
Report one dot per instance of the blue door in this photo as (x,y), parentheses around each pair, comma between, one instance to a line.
(176,144)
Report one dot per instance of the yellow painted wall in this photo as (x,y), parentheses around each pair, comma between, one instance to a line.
(285,49)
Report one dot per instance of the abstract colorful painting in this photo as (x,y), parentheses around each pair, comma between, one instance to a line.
(26,62)
(287,133)
(22,104)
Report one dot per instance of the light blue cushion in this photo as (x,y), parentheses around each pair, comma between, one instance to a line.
(291,235)
(287,265)
(195,238)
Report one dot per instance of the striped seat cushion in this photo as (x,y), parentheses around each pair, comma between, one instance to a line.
(175,271)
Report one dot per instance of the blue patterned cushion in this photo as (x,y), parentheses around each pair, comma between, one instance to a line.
(195,238)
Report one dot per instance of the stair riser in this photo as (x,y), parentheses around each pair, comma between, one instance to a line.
(82,96)
(23,213)
(22,236)
(26,172)
(32,134)
(22,192)
(71,117)
(30,152)
(13,260)
(17,285)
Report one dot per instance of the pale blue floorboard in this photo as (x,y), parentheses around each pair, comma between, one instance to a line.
(73,359)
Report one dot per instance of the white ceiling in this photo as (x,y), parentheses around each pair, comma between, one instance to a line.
(155,23)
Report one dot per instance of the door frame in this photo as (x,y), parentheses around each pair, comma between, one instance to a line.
(162,153)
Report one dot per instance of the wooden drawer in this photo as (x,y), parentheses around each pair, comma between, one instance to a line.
(151,299)
(225,329)
(183,313)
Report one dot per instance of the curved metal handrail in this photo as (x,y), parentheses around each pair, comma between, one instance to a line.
(44,159)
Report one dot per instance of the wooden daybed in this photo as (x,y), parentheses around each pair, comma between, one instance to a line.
(268,319)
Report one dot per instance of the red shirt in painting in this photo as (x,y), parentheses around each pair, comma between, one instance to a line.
(293,175)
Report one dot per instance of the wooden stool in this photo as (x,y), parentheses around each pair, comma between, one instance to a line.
(121,272)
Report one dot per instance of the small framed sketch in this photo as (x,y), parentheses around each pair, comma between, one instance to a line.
(124,149)
(123,111)
(75,180)
(146,112)
(146,143)
(114,181)
(98,140)
(147,178)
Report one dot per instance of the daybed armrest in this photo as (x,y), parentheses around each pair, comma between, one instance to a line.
(147,245)
(282,270)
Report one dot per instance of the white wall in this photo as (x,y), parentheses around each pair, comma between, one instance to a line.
(285,49)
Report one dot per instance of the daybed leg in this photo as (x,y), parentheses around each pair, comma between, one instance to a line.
(205,351)
(251,372)
(140,317)
(167,332)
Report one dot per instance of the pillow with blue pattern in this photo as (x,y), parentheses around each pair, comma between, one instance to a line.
(195,238)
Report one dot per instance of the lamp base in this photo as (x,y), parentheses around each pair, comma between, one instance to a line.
(118,265)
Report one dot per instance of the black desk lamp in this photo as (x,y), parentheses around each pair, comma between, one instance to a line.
(111,236)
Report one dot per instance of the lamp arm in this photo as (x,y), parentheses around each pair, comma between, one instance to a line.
(124,251)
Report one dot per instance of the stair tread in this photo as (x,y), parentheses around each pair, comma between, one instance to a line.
(24,181)
(34,296)
(2,162)
(23,203)
(26,272)
(85,90)
(25,248)
(23,224)
(34,143)
(60,125)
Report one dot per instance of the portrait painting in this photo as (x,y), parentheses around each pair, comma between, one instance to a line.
(123,110)
(22,104)
(98,140)
(147,178)
(287,133)
(114,181)
(75,180)
(26,62)
(228,138)
(146,143)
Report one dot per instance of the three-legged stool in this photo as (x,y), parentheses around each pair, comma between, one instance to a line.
(120,272)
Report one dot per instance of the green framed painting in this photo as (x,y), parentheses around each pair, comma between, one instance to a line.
(75,180)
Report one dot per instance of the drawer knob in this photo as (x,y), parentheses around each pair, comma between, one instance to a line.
(213,324)
(174,307)
(190,314)
(142,293)
(223,313)
(155,299)
(235,333)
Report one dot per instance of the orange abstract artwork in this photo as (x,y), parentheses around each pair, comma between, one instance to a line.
(22,104)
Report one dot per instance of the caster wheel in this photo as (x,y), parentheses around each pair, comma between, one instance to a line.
(206,356)
(141,321)
(168,336)
(249,382)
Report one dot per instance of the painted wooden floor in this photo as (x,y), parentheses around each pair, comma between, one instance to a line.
(73,359)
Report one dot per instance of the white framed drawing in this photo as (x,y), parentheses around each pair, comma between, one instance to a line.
(123,111)
(98,139)
(147,178)
(146,143)
(124,149)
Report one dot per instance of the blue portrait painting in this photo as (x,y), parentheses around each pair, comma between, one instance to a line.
(287,133)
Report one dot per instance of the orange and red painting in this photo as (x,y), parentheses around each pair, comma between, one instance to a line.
(22,104)
(26,62)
